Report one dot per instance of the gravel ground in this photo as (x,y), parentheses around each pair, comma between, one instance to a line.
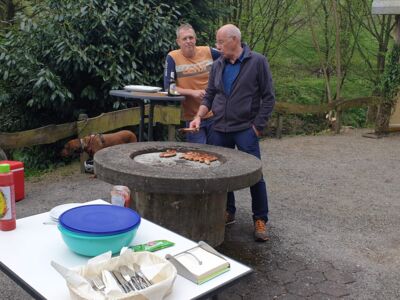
(334,219)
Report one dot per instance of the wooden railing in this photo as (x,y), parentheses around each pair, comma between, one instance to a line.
(168,115)
(284,108)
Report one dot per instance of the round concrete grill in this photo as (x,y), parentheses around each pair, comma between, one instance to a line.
(185,196)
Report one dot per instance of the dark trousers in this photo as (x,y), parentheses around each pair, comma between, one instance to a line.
(246,141)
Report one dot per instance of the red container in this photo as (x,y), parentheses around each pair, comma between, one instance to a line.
(17,168)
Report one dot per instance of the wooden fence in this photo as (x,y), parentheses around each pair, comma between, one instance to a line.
(168,115)
(284,108)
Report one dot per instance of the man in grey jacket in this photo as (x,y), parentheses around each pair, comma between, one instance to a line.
(240,93)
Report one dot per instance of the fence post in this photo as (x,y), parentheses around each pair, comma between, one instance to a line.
(3,155)
(171,133)
(338,122)
(83,156)
(279,126)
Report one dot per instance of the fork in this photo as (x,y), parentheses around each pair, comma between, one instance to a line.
(138,271)
(124,270)
(98,283)
(136,278)
(122,282)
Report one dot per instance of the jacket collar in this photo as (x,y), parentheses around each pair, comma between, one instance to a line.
(247,51)
(247,54)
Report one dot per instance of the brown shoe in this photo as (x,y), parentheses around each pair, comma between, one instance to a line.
(229,218)
(260,231)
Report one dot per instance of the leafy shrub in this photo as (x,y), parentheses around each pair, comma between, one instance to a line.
(37,159)
(355,117)
(65,59)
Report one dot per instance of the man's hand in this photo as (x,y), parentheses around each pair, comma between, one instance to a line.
(199,94)
(256,131)
(195,123)
(203,110)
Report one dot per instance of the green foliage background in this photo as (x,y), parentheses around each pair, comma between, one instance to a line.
(65,59)
(61,58)
(64,56)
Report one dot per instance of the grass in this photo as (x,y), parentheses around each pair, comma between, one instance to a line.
(298,79)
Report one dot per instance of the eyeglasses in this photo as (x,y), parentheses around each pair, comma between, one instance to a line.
(221,42)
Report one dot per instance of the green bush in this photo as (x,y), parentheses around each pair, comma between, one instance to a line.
(37,159)
(355,117)
(65,60)
(65,57)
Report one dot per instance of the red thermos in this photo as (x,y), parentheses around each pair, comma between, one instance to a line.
(7,199)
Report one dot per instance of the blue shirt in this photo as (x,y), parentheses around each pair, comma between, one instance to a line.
(231,71)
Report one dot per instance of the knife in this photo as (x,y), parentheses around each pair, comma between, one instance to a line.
(121,281)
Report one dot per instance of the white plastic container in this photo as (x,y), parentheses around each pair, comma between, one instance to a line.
(121,196)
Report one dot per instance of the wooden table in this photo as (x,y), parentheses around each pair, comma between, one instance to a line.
(26,253)
(141,99)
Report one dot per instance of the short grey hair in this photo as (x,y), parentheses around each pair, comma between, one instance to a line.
(232,30)
(185,26)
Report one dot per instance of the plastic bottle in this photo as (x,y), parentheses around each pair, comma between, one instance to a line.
(7,199)
(121,196)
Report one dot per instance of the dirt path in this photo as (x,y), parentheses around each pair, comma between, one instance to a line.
(334,219)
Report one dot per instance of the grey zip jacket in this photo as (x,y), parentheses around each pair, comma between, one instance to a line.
(252,97)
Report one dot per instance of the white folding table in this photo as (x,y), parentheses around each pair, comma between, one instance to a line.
(26,253)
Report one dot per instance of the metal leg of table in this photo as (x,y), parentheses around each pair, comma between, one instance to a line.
(141,124)
(18,280)
(151,116)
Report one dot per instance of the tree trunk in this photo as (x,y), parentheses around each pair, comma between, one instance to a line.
(382,120)
(338,64)
(10,11)
(386,108)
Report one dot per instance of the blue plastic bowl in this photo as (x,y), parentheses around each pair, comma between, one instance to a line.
(99,219)
(93,245)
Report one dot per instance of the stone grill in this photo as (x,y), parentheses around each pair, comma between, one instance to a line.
(187,197)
